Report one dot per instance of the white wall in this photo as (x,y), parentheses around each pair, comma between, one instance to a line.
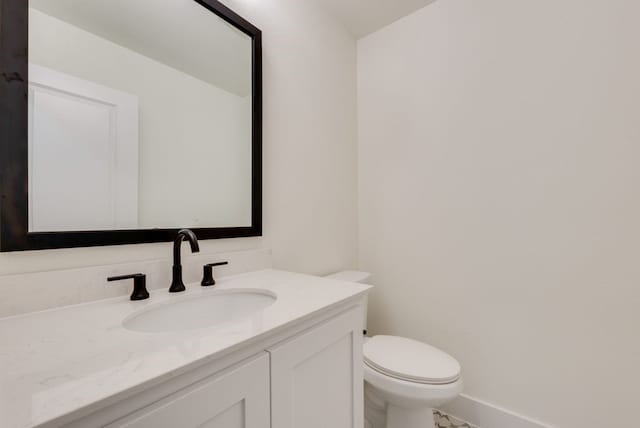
(499,144)
(309,151)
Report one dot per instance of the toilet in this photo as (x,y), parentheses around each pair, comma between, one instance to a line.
(404,379)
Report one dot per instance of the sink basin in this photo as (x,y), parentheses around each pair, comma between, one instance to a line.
(200,311)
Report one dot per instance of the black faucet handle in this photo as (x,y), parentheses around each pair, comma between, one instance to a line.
(207,277)
(139,285)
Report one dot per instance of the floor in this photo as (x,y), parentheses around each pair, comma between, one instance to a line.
(446,421)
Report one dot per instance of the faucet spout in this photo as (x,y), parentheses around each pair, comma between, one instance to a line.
(177,284)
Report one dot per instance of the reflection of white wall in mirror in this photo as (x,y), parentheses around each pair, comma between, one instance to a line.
(83,154)
(195,138)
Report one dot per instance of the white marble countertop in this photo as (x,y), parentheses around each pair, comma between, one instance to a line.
(55,362)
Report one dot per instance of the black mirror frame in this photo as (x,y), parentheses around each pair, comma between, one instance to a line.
(14,222)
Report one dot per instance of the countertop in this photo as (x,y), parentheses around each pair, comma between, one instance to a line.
(54,362)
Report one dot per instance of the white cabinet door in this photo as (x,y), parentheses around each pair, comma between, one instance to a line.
(237,398)
(316,378)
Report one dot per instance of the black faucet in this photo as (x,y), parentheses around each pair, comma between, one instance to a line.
(177,285)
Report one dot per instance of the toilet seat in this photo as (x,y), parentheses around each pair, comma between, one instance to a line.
(410,361)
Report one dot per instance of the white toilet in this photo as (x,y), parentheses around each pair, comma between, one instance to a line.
(404,379)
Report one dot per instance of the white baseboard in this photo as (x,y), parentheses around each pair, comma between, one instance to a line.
(485,415)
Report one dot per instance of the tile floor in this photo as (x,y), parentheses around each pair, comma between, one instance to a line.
(446,421)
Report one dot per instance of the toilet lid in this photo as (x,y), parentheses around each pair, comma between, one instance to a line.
(410,360)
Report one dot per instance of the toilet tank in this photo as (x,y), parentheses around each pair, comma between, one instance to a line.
(353,276)
(350,275)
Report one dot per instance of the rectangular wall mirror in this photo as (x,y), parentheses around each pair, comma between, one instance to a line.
(127,121)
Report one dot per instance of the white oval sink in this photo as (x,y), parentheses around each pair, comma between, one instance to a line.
(200,311)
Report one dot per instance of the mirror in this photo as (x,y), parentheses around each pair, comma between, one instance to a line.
(141,116)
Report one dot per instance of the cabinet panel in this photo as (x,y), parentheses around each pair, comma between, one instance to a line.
(316,378)
(237,398)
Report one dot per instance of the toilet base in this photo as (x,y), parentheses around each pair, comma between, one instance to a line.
(379,414)
(398,417)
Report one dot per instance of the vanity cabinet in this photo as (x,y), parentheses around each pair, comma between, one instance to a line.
(236,398)
(307,376)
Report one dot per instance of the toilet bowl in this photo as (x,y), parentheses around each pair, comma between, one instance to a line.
(404,379)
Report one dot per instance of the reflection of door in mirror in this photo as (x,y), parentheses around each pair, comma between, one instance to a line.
(83,154)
